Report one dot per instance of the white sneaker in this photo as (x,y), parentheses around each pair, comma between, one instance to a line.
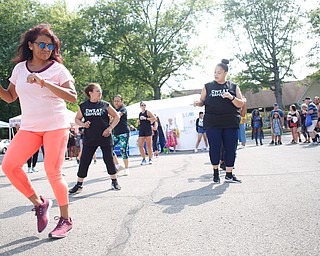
(29,170)
(196,150)
(34,169)
(119,168)
(126,172)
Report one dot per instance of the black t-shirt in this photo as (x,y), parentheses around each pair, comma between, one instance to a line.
(122,126)
(220,112)
(97,114)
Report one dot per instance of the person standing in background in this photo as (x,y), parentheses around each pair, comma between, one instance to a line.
(32,162)
(42,84)
(201,132)
(155,136)
(257,127)
(281,115)
(121,134)
(243,123)
(171,135)
(146,118)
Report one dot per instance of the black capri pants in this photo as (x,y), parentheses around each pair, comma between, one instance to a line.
(86,158)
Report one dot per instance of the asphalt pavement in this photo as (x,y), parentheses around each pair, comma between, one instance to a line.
(173,208)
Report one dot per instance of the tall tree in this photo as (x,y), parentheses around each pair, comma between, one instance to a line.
(314,53)
(269,26)
(16,17)
(147,40)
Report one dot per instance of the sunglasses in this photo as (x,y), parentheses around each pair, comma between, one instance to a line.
(142,105)
(43,45)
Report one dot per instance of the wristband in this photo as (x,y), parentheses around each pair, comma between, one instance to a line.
(42,82)
(233,98)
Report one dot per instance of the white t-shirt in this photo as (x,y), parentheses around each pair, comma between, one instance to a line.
(41,109)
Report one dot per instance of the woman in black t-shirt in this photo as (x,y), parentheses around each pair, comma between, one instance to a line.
(93,115)
(222,100)
(146,118)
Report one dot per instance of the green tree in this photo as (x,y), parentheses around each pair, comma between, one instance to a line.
(146,40)
(314,53)
(16,17)
(269,26)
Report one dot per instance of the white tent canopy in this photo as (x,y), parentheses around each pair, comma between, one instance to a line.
(181,110)
(160,105)
(4,124)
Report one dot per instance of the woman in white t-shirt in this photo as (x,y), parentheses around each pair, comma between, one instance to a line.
(42,84)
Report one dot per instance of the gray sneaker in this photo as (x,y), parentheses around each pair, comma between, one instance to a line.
(232,179)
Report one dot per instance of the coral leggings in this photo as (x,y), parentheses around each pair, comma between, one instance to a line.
(24,145)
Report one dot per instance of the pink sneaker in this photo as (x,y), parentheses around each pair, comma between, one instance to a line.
(42,213)
(62,229)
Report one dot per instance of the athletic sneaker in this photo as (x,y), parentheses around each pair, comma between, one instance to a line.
(143,162)
(29,170)
(119,168)
(150,161)
(272,142)
(42,213)
(115,185)
(126,172)
(62,229)
(223,166)
(76,189)
(216,177)
(34,169)
(232,179)
(195,150)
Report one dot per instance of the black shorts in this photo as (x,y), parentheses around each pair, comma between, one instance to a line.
(145,133)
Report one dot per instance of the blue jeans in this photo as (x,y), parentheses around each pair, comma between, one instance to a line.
(226,136)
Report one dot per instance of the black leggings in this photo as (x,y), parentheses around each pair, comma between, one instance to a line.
(86,158)
(33,159)
(155,140)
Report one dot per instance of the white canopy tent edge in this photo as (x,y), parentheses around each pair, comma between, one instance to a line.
(183,113)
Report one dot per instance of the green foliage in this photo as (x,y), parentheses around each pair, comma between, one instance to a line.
(269,26)
(146,41)
(314,54)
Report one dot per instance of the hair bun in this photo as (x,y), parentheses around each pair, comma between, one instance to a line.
(225,61)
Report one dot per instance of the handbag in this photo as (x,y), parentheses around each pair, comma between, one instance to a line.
(308,120)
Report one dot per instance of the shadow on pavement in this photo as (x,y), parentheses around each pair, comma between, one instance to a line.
(193,197)
(24,244)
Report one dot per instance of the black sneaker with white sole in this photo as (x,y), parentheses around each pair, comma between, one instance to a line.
(216,177)
(115,185)
(232,179)
(76,189)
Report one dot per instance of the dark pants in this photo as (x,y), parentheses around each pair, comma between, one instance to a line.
(86,158)
(33,160)
(155,140)
(226,136)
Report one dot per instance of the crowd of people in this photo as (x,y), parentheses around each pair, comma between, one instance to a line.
(303,122)
(43,85)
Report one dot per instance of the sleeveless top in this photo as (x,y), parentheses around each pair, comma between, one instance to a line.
(145,125)
(220,112)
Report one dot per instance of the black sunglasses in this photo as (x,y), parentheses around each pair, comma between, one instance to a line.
(43,45)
